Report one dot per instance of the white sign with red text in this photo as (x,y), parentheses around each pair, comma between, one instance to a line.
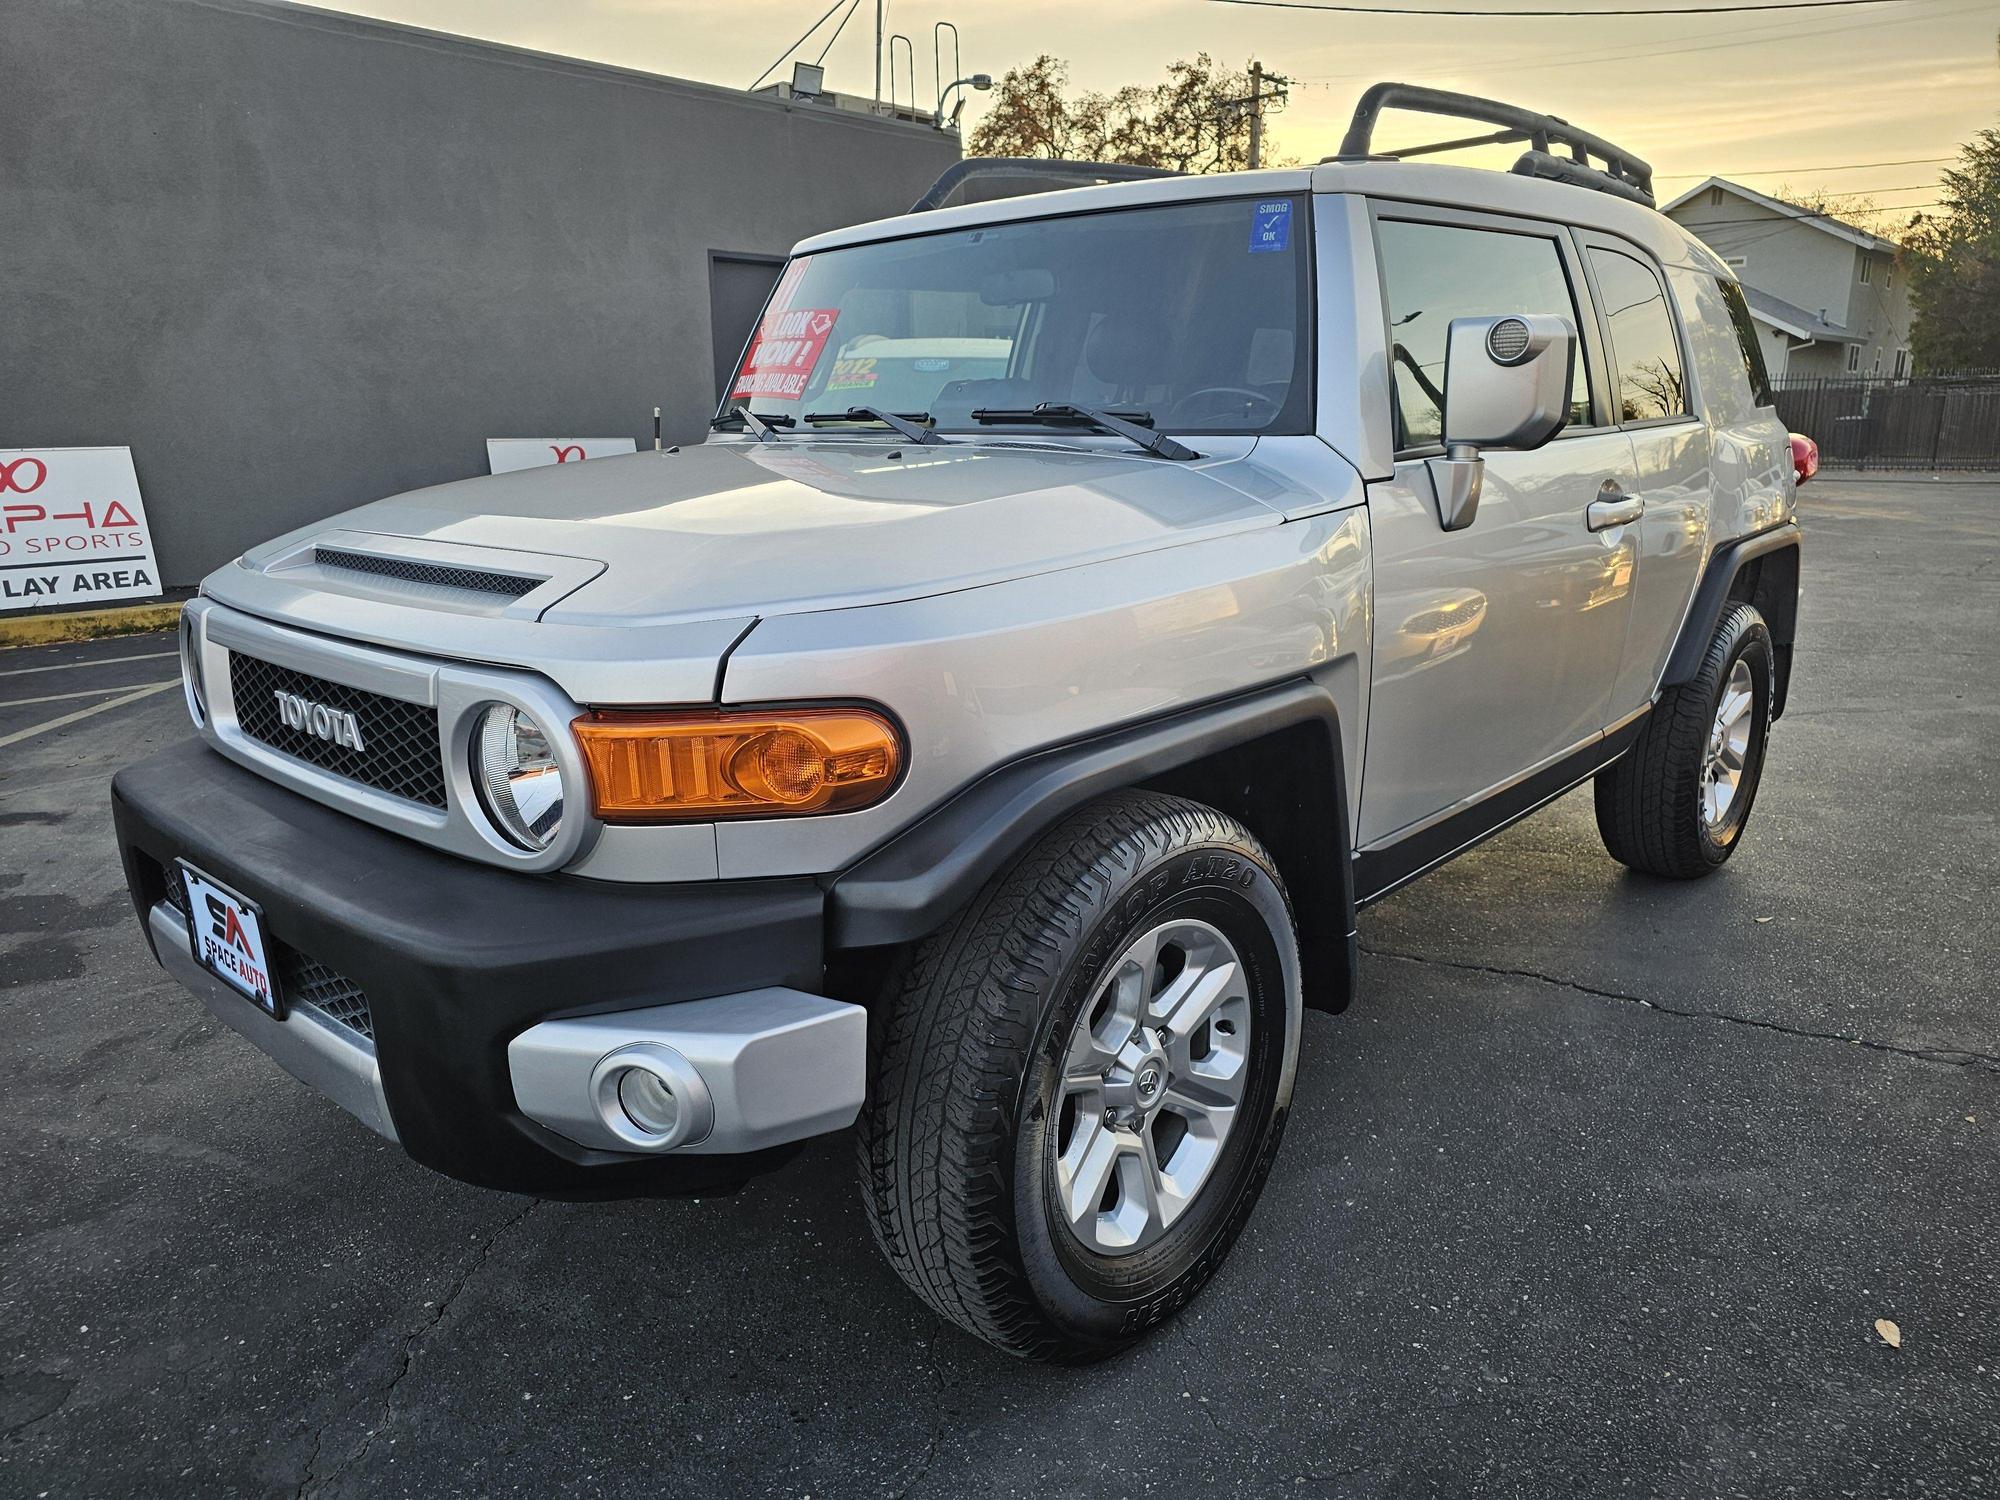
(72,528)
(505,455)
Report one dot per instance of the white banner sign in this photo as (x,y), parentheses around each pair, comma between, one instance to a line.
(504,455)
(72,528)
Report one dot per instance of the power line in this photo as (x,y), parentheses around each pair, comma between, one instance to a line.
(1844,166)
(798,44)
(1907,187)
(851,9)
(1651,10)
(1735,38)
(1880,208)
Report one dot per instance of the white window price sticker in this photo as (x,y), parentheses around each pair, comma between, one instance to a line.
(72,529)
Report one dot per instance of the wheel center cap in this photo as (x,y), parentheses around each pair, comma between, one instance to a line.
(1147,1084)
(1136,1085)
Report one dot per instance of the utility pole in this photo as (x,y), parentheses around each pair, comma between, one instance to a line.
(1256,115)
(1254,104)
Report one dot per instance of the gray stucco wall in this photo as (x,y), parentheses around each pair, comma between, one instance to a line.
(298,260)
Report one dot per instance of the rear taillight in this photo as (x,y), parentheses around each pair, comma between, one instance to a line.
(1805,457)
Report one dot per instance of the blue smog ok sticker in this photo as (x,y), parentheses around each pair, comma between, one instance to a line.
(1271,226)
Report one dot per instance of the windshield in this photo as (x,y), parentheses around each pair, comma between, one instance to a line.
(1193,315)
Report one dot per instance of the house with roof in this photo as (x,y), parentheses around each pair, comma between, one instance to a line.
(1824,294)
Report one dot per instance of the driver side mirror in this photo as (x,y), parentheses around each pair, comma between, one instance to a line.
(1507,384)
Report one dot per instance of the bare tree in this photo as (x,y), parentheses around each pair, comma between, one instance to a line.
(1857,209)
(1184,124)
(1653,389)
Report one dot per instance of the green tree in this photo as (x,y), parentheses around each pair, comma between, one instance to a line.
(1191,122)
(1952,259)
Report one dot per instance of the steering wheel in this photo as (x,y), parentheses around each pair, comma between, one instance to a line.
(1179,414)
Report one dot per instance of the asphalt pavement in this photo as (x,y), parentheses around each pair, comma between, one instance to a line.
(1601,1187)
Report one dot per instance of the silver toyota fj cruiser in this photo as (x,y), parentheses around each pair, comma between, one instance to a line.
(1087,603)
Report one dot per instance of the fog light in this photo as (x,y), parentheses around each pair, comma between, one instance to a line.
(651,1098)
(648,1101)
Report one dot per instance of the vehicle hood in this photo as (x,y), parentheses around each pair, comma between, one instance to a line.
(726,530)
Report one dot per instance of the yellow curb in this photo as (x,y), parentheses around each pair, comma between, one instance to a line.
(84,625)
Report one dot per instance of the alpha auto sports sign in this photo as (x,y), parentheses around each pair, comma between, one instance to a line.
(505,455)
(72,528)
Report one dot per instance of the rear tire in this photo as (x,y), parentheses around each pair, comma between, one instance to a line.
(1675,804)
(1021,1170)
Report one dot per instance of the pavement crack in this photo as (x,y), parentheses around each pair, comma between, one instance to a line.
(412,1346)
(1186,1335)
(936,1441)
(1958,1057)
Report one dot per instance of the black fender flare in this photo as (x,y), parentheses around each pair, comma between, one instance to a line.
(908,886)
(1721,581)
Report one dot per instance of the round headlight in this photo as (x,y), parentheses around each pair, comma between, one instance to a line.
(519,780)
(191,683)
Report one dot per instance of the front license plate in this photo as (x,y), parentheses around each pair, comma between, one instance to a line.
(227,935)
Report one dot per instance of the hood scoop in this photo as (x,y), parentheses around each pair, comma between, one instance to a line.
(437,575)
(440,575)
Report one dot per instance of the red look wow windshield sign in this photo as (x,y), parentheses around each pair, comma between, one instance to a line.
(788,343)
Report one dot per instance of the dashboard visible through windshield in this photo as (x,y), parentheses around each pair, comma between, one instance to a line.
(1189,317)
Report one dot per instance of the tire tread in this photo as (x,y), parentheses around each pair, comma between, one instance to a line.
(935,1139)
(1647,800)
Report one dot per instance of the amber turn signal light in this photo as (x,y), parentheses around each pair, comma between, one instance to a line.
(657,767)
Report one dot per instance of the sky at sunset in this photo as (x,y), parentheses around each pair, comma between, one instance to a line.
(1776,98)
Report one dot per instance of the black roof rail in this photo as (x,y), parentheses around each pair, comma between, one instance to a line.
(1622,174)
(1063,173)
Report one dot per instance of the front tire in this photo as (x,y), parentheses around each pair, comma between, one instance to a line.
(1081,1081)
(1676,803)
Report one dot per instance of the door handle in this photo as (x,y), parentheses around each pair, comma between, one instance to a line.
(1613,508)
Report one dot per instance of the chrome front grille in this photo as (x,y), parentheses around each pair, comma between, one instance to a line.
(399,751)
(438,575)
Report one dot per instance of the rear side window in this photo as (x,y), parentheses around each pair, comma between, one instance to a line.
(1436,272)
(1746,335)
(1646,351)
(1720,359)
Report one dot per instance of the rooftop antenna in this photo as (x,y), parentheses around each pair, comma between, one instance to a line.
(881,23)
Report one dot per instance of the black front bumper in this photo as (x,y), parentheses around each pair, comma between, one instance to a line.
(456,958)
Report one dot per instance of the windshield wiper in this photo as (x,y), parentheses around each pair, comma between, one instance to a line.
(906,423)
(760,427)
(1067,413)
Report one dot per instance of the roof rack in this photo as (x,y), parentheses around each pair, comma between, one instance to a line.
(1061,174)
(1622,174)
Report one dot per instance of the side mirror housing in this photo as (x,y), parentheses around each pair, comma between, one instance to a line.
(1507,385)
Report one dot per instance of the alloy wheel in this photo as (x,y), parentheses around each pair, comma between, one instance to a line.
(1153,1081)
(1728,752)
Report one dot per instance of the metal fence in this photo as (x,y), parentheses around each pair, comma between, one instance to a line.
(1925,422)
